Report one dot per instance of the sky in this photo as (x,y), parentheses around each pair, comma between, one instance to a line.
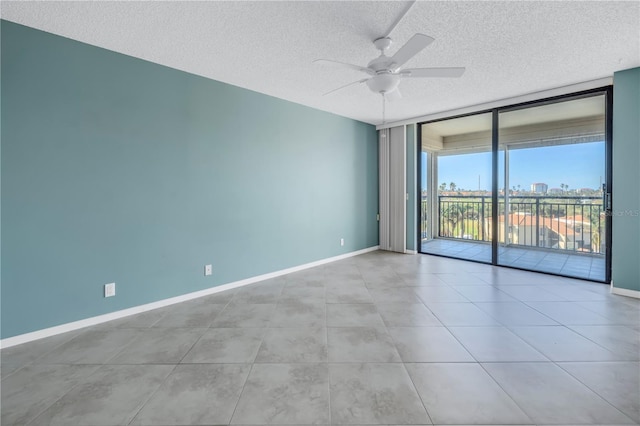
(579,166)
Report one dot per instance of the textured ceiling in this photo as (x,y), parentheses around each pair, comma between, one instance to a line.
(509,48)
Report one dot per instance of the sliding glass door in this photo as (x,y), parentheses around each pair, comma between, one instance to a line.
(552,217)
(551,186)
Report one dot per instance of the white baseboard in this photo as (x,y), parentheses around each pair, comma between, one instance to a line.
(75,325)
(624,291)
(411,252)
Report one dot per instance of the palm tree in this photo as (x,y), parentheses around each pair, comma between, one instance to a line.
(596,228)
(595,241)
(452,186)
(449,217)
(455,215)
(443,187)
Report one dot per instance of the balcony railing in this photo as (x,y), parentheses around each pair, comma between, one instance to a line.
(568,223)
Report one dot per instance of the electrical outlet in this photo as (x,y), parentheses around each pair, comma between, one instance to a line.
(110,290)
(208,270)
(341,241)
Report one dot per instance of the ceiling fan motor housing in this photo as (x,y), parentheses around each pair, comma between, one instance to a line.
(381,63)
(384,81)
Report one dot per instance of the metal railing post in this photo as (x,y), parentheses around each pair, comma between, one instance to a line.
(482,220)
(537,222)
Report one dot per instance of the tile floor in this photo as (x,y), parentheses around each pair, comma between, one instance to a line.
(591,267)
(380,338)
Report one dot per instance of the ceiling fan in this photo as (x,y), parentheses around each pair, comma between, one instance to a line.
(386,72)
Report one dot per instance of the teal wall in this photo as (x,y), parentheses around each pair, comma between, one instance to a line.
(119,170)
(411,187)
(625,267)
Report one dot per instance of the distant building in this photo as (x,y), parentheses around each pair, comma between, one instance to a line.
(555,191)
(539,188)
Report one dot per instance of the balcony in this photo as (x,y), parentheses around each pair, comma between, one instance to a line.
(557,234)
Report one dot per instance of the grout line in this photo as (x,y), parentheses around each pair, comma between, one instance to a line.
(589,387)
(505,392)
(326,328)
(235,408)
(152,393)
(80,381)
(415,388)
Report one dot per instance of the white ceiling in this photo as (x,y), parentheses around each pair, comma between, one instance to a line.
(509,48)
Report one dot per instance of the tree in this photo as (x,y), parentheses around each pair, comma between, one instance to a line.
(597,224)
(443,187)
(595,241)
(455,215)
(447,219)
(452,186)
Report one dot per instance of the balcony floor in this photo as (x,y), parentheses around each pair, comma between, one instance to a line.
(590,267)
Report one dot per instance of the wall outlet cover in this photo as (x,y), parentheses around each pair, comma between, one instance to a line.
(208,270)
(110,290)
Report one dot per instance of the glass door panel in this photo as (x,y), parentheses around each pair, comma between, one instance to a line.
(552,168)
(456,187)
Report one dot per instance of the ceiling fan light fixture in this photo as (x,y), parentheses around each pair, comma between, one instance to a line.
(383,83)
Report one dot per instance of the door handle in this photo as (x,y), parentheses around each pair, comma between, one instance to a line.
(606,198)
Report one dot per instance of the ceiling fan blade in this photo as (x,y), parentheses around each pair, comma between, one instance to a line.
(432,72)
(346,85)
(397,21)
(345,65)
(394,95)
(410,49)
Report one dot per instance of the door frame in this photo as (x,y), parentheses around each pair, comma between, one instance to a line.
(607,91)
